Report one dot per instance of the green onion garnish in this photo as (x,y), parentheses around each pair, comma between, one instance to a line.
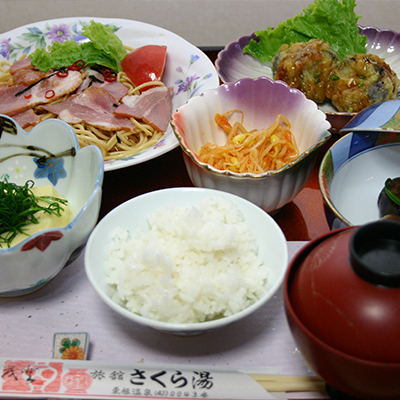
(392,189)
(18,206)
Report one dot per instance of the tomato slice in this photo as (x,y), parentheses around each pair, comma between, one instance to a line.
(145,64)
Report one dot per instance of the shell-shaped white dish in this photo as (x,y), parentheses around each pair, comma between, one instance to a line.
(261,100)
(232,64)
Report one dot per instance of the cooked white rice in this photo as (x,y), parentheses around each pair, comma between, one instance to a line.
(194,264)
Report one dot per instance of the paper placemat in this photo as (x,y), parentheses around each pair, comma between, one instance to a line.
(261,343)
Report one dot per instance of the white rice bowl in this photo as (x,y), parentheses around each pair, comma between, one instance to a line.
(194,264)
(186,260)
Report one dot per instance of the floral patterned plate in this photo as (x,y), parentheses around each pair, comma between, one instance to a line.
(188,70)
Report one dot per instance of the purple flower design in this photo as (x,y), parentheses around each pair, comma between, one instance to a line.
(190,84)
(59,33)
(185,85)
(52,169)
(5,48)
(193,59)
(78,37)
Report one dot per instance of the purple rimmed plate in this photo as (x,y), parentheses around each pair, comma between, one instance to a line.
(233,65)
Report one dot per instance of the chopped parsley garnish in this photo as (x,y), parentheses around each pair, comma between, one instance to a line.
(19,206)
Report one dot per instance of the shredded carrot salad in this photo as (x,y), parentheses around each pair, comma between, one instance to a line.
(254,151)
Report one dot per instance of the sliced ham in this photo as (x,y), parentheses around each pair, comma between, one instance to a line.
(21,64)
(154,107)
(95,106)
(28,77)
(25,73)
(94,78)
(27,118)
(10,103)
(15,99)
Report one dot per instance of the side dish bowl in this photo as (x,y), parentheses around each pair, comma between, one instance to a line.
(48,155)
(261,100)
(133,215)
(353,173)
(232,64)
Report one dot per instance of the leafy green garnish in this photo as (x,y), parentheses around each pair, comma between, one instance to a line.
(332,21)
(18,206)
(392,189)
(58,55)
(103,48)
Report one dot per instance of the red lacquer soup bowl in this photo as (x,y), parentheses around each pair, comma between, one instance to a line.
(342,301)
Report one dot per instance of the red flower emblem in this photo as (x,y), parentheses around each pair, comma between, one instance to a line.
(42,241)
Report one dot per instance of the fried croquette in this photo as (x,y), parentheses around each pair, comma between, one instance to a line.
(360,81)
(306,66)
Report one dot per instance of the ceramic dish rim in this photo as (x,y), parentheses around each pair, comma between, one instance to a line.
(324,193)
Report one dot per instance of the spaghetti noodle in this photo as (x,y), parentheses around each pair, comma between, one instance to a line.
(5,74)
(254,151)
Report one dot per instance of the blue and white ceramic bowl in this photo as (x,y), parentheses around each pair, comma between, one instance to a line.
(381,117)
(353,173)
(48,155)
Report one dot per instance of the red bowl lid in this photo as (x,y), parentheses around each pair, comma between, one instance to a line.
(346,290)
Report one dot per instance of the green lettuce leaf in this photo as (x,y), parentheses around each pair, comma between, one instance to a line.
(332,21)
(57,55)
(105,42)
(103,48)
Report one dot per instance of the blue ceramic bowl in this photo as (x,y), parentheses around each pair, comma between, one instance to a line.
(352,174)
(48,155)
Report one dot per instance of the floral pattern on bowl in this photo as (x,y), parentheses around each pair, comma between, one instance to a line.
(46,165)
(189,71)
(48,155)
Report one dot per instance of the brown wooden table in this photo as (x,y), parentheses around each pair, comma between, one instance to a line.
(302,219)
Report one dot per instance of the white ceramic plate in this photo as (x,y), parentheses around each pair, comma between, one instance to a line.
(188,69)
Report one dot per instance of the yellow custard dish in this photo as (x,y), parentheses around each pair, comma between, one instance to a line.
(44,220)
